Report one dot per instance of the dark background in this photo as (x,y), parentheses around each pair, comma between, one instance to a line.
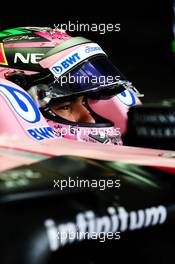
(141,50)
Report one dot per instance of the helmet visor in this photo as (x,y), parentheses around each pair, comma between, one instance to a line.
(92,75)
(96,75)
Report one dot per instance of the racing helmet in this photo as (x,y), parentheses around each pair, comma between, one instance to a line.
(56,68)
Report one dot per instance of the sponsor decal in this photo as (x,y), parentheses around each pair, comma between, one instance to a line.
(33,58)
(3,60)
(21,103)
(91,49)
(17,38)
(115,220)
(74,58)
(41,133)
(12,32)
(127,98)
(67,63)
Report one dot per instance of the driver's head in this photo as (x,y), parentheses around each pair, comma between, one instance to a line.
(67,77)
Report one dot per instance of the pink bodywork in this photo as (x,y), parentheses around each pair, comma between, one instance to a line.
(17,147)
(12,124)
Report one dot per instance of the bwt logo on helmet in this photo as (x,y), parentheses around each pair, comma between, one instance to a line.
(67,63)
(21,103)
(33,58)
